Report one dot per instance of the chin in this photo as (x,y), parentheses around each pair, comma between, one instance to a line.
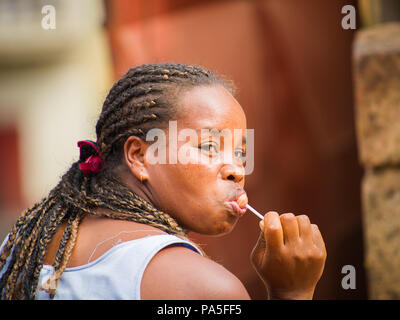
(221,228)
(212,223)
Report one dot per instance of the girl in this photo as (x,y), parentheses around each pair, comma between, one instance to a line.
(115,226)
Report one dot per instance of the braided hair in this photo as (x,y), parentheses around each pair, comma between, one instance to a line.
(142,99)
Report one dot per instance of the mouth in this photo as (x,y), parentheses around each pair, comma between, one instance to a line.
(238,204)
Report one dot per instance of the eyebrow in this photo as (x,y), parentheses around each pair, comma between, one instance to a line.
(217,134)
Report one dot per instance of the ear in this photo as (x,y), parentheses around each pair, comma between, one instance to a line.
(134,152)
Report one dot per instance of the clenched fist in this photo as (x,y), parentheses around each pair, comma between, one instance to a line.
(289,256)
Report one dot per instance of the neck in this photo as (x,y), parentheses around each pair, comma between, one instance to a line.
(135,185)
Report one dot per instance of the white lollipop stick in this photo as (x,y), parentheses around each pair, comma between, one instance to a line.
(255,211)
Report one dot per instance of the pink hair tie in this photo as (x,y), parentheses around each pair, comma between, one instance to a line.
(90,157)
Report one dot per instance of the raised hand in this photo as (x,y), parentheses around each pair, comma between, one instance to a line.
(289,256)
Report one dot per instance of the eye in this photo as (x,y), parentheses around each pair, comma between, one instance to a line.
(240,153)
(209,147)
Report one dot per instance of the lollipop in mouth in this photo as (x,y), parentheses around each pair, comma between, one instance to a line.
(242,201)
(238,206)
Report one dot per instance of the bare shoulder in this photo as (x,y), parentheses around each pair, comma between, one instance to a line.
(178,273)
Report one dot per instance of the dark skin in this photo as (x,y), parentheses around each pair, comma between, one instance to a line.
(289,256)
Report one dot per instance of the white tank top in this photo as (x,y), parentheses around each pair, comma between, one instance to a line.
(117,274)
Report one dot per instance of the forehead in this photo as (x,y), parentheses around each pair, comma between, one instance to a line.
(209,107)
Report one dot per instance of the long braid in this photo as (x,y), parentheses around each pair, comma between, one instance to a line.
(142,99)
(65,250)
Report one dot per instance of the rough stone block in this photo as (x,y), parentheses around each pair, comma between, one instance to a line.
(377,94)
(381,206)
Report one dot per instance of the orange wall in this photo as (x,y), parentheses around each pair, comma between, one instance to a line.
(10,174)
(292,64)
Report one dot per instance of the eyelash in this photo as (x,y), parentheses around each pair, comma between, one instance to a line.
(206,147)
(243,153)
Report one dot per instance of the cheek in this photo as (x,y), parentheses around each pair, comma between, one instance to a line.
(193,196)
(189,183)
(192,185)
(194,170)
(185,190)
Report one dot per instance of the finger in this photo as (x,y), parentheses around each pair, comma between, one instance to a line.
(261,224)
(305,230)
(317,237)
(273,230)
(290,227)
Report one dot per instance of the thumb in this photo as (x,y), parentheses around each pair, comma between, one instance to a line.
(258,252)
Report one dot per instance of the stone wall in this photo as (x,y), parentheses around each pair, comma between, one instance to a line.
(377,95)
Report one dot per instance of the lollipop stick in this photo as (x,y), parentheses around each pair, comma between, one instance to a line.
(255,211)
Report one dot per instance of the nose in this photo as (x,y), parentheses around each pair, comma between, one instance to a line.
(233,173)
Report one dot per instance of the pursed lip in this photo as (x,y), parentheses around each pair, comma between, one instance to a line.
(238,194)
(233,205)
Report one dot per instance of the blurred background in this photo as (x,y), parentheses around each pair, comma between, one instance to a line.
(291,61)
